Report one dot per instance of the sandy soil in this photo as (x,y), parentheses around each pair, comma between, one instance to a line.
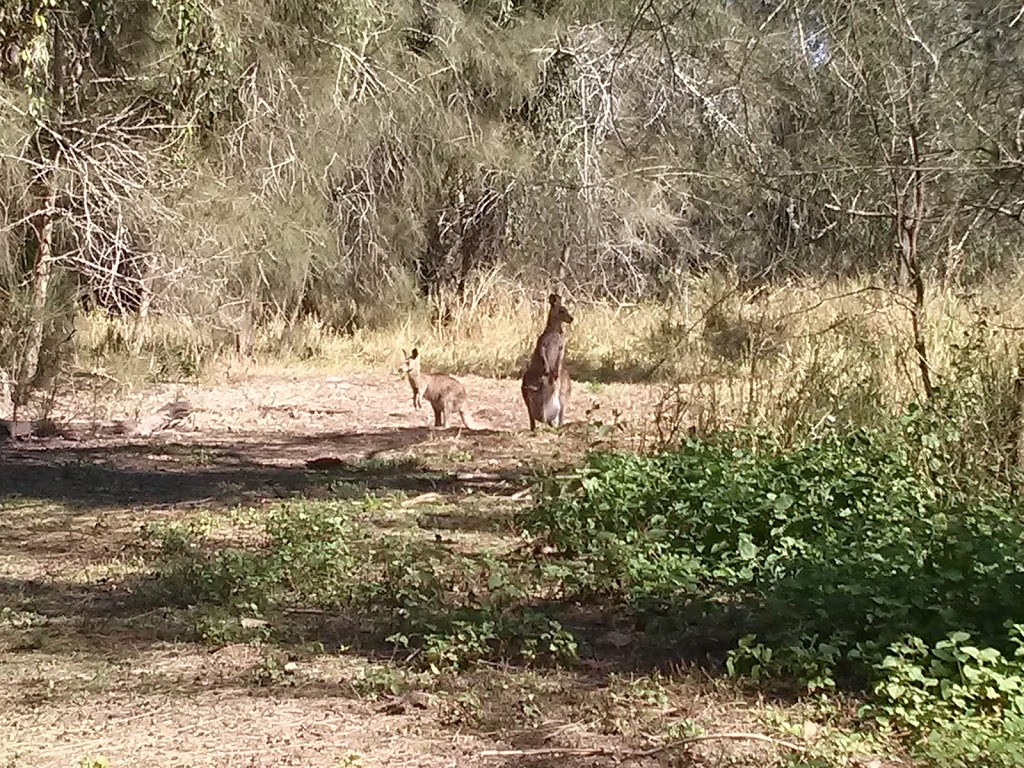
(84,683)
(284,420)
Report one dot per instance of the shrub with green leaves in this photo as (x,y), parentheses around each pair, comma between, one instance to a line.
(963,704)
(823,555)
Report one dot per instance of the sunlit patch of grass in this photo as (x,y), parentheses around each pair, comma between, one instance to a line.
(786,357)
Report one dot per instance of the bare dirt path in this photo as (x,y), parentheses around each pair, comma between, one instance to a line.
(87,679)
(255,435)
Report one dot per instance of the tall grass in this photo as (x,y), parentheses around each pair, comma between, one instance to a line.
(787,358)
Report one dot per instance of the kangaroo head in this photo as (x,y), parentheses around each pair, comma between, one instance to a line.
(411,364)
(558,311)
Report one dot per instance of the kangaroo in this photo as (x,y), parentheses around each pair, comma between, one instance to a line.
(546,384)
(445,394)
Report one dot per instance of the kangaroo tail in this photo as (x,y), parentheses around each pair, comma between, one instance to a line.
(468,420)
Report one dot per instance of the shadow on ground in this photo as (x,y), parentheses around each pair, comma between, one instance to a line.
(108,638)
(119,618)
(150,479)
(217,474)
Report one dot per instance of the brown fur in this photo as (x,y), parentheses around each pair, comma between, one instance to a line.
(546,385)
(445,394)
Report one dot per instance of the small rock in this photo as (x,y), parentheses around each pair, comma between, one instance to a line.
(325,462)
(810,730)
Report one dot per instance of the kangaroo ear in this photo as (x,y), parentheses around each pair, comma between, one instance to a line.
(415,353)
(553,299)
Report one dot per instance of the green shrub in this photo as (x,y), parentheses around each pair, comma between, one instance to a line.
(963,704)
(821,557)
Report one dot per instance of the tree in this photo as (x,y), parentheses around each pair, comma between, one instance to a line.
(827,135)
(94,157)
(45,78)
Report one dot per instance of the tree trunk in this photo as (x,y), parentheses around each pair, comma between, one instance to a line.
(909,214)
(1017,430)
(45,193)
(42,271)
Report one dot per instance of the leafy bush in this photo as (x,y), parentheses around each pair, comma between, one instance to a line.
(951,677)
(965,704)
(823,556)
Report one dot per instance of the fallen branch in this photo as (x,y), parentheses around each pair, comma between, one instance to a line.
(733,736)
(567,752)
(602,751)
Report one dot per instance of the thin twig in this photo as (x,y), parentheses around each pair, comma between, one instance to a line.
(729,736)
(567,752)
(603,751)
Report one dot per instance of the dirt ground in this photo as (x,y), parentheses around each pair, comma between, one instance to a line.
(87,680)
(91,678)
(280,421)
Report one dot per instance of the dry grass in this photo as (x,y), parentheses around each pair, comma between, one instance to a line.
(786,357)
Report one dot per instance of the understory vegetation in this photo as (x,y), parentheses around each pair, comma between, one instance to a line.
(455,609)
(801,220)
(851,560)
(881,562)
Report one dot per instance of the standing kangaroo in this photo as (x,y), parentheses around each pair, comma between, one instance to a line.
(445,394)
(546,385)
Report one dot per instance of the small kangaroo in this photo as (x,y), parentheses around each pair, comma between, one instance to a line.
(546,384)
(445,394)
